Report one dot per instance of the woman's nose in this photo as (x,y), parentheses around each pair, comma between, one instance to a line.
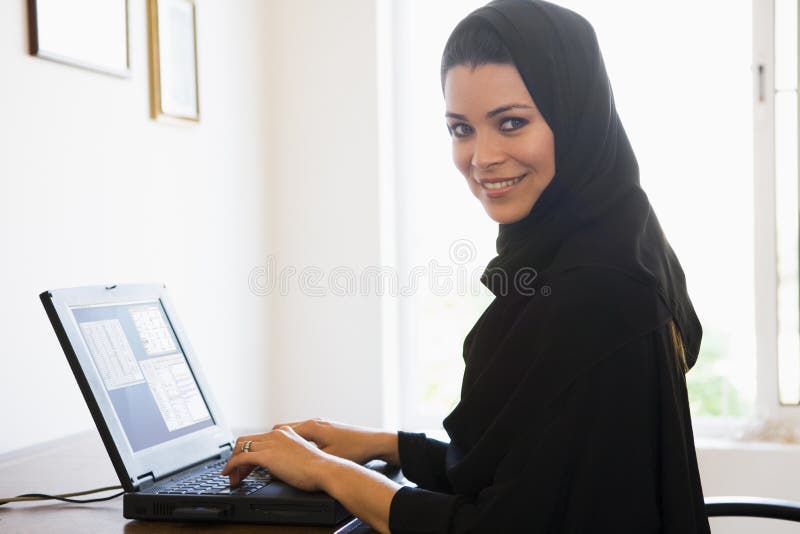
(486,152)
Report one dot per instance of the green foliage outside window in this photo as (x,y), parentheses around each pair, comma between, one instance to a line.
(711,392)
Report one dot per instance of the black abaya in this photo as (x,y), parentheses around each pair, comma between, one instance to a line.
(612,457)
(613,452)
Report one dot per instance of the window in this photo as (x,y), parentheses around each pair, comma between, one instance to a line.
(443,232)
(785,96)
(687,105)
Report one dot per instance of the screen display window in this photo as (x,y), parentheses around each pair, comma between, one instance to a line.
(144,371)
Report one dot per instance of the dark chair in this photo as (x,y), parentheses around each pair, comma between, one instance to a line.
(753,507)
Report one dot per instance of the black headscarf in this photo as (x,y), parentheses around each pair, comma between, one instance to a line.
(605,273)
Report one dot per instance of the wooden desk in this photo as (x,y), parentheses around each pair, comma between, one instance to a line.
(78,463)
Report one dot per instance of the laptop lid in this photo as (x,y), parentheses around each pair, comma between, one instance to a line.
(140,378)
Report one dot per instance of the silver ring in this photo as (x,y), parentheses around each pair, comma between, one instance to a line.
(246,445)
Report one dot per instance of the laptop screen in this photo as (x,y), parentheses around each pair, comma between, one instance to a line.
(144,370)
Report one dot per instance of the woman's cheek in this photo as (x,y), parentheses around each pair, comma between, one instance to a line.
(462,158)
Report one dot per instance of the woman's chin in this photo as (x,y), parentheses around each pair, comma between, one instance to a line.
(506,214)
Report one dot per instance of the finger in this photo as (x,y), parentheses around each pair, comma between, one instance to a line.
(234,464)
(246,459)
(237,447)
(239,473)
(251,437)
(292,433)
(309,430)
(255,446)
(239,467)
(293,424)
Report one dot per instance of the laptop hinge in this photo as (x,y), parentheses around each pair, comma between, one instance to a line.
(150,479)
(226,445)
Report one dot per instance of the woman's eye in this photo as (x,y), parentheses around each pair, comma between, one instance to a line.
(460,130)
(512,124)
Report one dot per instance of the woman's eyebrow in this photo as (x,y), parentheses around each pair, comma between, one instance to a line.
(490,114)
(451,115)
(503,109)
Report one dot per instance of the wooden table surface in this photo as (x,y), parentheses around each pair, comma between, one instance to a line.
(77,463)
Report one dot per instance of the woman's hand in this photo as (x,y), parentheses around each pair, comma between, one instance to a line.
(325,464)
(350,442)
(283,453)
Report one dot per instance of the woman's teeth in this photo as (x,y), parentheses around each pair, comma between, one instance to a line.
(501,185)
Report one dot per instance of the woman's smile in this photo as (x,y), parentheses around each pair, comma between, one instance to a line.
(497,187)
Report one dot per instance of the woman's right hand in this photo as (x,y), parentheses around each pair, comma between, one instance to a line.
(353,443)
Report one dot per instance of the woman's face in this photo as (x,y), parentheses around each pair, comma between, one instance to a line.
(501,143)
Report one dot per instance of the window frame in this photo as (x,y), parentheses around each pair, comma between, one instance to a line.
(768,404)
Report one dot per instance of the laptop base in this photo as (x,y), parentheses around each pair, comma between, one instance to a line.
(319,509)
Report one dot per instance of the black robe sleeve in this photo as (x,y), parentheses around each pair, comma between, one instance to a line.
(616,455)
(422,460)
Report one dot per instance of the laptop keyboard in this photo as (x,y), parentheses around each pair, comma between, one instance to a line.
(210,482)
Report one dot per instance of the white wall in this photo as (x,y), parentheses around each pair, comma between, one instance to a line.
(92,191)
(326,356)
(284,164)
(762,470)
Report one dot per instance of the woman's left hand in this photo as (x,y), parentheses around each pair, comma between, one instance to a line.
(283,453)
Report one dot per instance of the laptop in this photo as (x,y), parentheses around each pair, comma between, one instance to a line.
(157,417)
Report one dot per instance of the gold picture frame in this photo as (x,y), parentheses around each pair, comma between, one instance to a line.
(174,88)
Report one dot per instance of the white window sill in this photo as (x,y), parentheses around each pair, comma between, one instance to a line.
(747,434)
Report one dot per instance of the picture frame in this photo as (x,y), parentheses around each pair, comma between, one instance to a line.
(91,34)
(174,88)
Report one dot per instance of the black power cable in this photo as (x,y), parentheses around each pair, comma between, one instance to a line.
(64,497)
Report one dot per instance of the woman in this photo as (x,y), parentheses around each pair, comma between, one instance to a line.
(573,414)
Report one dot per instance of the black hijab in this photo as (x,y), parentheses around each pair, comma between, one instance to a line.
(604,272)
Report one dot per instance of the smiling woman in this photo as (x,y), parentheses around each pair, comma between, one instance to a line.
(501,143)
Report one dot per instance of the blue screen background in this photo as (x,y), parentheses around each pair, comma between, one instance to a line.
(135,406)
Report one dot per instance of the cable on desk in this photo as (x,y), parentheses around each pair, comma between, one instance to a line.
(65,497)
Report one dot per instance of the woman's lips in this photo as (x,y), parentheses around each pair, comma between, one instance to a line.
(496,188)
